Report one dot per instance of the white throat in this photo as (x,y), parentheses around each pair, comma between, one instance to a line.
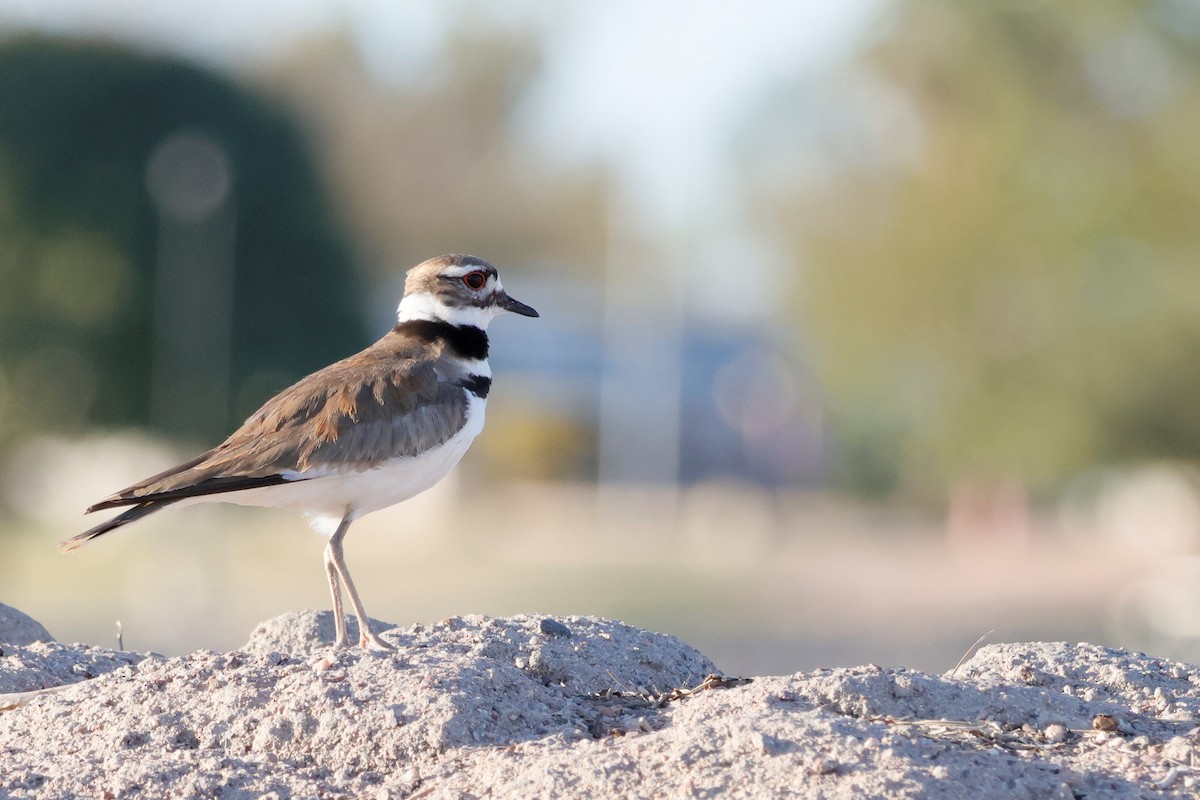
(426,306)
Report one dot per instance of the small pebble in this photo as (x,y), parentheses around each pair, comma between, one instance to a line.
(552,627)
(323,663)
(822,766)
(1178,748)
(1056,734)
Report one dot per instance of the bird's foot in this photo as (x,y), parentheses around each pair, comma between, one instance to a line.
(370,640)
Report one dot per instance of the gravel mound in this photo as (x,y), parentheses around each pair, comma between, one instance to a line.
(534,706)
(19,628)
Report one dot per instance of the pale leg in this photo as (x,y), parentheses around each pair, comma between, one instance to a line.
(335,591)
(333,554)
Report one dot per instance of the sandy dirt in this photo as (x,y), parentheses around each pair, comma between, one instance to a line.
(534,706)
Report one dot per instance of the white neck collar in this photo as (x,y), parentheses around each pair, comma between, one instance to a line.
(424,306)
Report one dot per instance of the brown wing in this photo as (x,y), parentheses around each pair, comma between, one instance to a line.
(353,415)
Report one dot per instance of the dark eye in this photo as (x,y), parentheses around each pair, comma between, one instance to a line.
(474,280)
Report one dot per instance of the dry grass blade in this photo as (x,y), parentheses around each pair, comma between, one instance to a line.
(17,699)
(709,683)
(967,654)
(660,699)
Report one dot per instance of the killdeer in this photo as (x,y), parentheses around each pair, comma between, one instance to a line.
(359,435)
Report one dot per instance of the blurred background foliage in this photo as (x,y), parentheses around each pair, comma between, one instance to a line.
(984,216)
(81,243)
(995,241)
(435,163)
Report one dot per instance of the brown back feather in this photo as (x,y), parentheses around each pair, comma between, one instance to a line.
(386,402)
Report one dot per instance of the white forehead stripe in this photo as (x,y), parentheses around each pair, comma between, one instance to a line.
(458,270)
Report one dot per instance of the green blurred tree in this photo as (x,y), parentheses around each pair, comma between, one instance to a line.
(996,240)
(79,238)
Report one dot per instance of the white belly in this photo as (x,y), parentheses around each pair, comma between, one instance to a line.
(327,499)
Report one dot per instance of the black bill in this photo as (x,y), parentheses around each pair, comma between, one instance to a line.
(516,306)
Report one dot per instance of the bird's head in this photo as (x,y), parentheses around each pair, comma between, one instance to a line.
(459,289)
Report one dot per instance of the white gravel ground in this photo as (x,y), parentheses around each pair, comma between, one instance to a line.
(531,706)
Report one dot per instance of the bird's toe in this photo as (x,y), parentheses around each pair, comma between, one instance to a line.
(372,641)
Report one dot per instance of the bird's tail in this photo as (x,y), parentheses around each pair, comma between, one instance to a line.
(132,515)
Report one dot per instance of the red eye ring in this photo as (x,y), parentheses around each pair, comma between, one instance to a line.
(474,280)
